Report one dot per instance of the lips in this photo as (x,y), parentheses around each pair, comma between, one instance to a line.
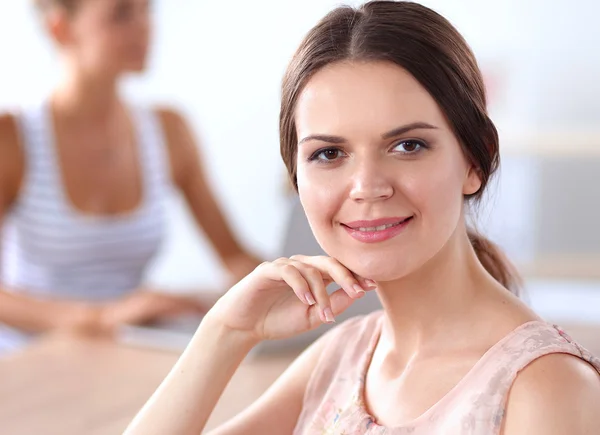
(376,224)
(378,230)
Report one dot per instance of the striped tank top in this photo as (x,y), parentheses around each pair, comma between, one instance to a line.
(50,249)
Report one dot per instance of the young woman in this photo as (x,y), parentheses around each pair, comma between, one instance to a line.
(385,134)
(83,178)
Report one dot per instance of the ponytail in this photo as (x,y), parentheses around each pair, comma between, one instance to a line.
(496,262)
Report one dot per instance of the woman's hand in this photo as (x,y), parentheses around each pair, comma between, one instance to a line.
(288,296)
(145,306)
(277,300)
(84,320)
(141,307)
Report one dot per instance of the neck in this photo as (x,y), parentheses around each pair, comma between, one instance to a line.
(85,95)
(422,309)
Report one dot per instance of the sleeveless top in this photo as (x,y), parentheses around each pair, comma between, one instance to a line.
(50,249)
(334,404)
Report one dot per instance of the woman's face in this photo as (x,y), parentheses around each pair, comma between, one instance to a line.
(108,36)
(381,175)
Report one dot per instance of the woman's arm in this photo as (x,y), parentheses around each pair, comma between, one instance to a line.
(277,300)
(17,310)
(34,315)
(185,400)
(557,394)
(277,410)
(37,315)
(188,174)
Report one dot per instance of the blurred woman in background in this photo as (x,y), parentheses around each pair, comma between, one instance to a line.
(83,180)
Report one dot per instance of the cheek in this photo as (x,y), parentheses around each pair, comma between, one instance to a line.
(97,47)
(437,194)
(107,36)
(113,40)
(316,199)
(320,196)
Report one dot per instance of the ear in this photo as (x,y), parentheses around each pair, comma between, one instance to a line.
(57,22)
(472,182)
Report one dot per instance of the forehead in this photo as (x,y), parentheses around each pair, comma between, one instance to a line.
(93,7)
(375,96)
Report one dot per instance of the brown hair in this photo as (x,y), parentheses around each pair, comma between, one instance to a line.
(426,45)
(45,5)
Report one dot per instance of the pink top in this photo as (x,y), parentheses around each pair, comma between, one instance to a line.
(333,402)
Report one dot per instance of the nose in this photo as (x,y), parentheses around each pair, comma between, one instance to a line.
(370,183)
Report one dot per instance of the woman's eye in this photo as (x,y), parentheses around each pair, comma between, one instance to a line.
(409,146)
(327,155)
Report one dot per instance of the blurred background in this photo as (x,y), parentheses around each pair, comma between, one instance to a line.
(221,63)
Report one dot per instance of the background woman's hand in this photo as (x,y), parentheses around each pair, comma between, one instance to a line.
(288,296)
(146,306)
(142,306)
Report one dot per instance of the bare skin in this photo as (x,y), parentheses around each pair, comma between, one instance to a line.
(442,310)
(99,162)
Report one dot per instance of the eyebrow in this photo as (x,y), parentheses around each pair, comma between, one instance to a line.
(388,135)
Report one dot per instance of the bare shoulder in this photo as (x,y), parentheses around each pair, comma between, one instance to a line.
(554,395)
(12,159)
(176,127)
(170,117)
(181,144)
(9,135)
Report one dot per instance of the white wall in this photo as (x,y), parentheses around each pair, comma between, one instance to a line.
(222,62)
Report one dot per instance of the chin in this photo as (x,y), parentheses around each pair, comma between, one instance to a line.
(381,268)
(136,68)
(379,274)
(133,63)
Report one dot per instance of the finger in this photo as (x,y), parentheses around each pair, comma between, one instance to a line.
(318,288)
(293,278)
(282,270)
(337,272)
(367,284)
(339,302)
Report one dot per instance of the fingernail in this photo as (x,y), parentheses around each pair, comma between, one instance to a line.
(370,282)
(358,289)
(328,315)
(322,317)
(310,299)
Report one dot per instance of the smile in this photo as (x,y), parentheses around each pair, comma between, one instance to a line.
(376,231)
(379,228)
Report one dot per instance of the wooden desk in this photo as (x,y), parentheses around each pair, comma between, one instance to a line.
(62,386)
